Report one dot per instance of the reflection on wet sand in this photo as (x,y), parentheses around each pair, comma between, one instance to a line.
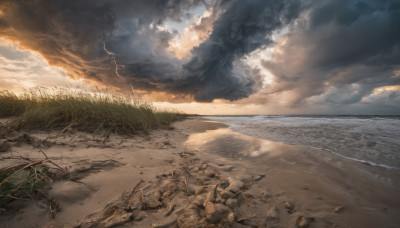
(302,181)
(228,143)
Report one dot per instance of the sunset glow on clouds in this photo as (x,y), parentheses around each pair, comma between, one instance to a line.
(211,57)
(24,69)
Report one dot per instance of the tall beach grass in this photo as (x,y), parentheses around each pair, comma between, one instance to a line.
(85,111)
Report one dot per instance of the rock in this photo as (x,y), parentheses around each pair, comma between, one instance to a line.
(259,177)
(152,200)
(272,213)
(228,168)
(231,203)
(211,195)
(223,184)
(230,219)
(303,222)
(339,209)
(195,169)
(214,213)
(235,185)
(199,200)
(209,173)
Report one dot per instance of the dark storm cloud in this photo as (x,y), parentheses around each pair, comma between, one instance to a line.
(244,27)
(72,34)
(334,51)
(339,51)
(77,35)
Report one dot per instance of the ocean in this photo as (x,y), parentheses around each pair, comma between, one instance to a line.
(374,140)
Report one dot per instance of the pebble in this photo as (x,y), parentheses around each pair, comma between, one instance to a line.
(209,173)
(223,184)
(303,222)
(259,177)
(339,209)
(235,185)
(230,219)
(152,199)
(199,200)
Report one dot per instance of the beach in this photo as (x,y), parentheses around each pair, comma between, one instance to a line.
(196,173)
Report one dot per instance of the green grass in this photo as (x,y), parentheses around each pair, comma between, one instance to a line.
(85,111)
(20,184)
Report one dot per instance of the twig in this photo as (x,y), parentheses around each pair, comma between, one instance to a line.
(19,170)
(45,155)
(12,167)
(59,167)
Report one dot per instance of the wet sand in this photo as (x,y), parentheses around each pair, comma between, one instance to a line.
(201,174)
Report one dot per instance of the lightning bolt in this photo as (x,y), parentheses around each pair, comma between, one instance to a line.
(115,61)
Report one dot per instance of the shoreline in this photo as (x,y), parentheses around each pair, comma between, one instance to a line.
(280,185)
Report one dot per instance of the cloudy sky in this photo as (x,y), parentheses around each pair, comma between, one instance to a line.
(211,56)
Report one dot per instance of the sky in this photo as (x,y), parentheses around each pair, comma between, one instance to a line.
(231,57)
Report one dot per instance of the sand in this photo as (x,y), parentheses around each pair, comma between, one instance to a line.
(198,173)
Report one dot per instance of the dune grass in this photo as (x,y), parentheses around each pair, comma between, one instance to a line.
(21,182)
(85,111)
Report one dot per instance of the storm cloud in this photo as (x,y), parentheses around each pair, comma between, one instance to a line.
(320,52)
(337,52)
(92,38)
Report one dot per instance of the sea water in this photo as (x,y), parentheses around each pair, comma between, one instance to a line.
(374,140)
